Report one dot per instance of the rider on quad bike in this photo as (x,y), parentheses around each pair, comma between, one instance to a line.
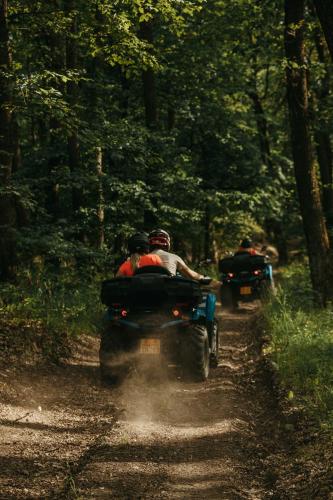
(246,246)
(138,247)
(160,243)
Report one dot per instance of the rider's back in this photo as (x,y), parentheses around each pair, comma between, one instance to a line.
(170,261)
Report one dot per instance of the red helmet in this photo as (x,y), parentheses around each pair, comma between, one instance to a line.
(159,238)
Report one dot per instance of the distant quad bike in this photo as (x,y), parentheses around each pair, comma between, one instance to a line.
(161,319)
(245,278)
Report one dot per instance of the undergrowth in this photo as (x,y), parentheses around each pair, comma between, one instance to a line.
(46,310)
(301,343)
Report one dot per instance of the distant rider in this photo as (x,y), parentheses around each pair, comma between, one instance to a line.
(246,246)
(138,247)
(160,243)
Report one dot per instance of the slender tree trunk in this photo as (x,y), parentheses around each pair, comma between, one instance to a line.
(324,10)
(6,98)
(73,145)
(149,80)
(305,172)
(57,46)
(208,248)
(151,117)
(100,204)
(265,151)
(17,158)
(322,136)
(324,153)
(7,202)
(171,117)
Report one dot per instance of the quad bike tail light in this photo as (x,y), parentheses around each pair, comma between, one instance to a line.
(119,311)
(257,272)
(176,312)
(231,275)
(181,311)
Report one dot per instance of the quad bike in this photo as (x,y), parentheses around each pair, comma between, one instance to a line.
(163,319)
(245,278)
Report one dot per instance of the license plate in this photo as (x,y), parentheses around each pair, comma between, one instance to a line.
(150,346)
(245,290)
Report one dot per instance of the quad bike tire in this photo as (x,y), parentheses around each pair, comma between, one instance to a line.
(214,355)
(110,349)
(196,354)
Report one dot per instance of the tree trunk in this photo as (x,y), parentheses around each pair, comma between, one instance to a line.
(324,9)
(73,146)
(262,131)
(304,166)
(149,80)
(100,204)
(171,117)
(16,147)
(57,46)
(324,153)
(208,233)
(322,137)
(7,202)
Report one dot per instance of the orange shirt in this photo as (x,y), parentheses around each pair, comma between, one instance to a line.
(145,260)
(251,250)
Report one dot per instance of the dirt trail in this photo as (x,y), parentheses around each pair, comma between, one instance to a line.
(64,436)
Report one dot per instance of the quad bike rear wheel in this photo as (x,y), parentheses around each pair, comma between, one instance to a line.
(196,354)
(111,370)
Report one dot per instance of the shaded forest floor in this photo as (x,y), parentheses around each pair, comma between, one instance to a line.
(62,435)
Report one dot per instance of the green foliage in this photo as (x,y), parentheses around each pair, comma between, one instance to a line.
(48,311)
(301,343)
(202,156)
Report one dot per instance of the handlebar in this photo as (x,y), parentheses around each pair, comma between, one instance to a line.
(206,280)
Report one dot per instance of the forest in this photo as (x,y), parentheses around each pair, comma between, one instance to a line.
(210,119)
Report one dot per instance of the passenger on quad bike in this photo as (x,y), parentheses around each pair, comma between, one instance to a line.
(160,243)
(138,247)
(246,246)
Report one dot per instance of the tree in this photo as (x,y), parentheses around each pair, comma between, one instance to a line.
(324,10)
(7,200)
(305,171)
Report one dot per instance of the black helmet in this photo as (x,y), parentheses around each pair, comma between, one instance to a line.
(246,243)
(159,238)
(139,242)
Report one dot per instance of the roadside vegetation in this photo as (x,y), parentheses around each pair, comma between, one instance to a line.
(41,319)
(301,343)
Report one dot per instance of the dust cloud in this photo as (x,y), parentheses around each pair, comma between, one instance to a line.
(152,394)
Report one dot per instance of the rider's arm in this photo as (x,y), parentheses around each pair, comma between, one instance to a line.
(186,271)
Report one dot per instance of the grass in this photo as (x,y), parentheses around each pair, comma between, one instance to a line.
(46,311)
(301,343)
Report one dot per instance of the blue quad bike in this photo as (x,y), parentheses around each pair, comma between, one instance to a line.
(160,319)
(245,278)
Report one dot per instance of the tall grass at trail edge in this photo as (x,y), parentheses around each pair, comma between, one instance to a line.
(301,343)
(42,314)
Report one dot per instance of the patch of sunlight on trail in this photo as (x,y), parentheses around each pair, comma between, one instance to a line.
(150,431)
